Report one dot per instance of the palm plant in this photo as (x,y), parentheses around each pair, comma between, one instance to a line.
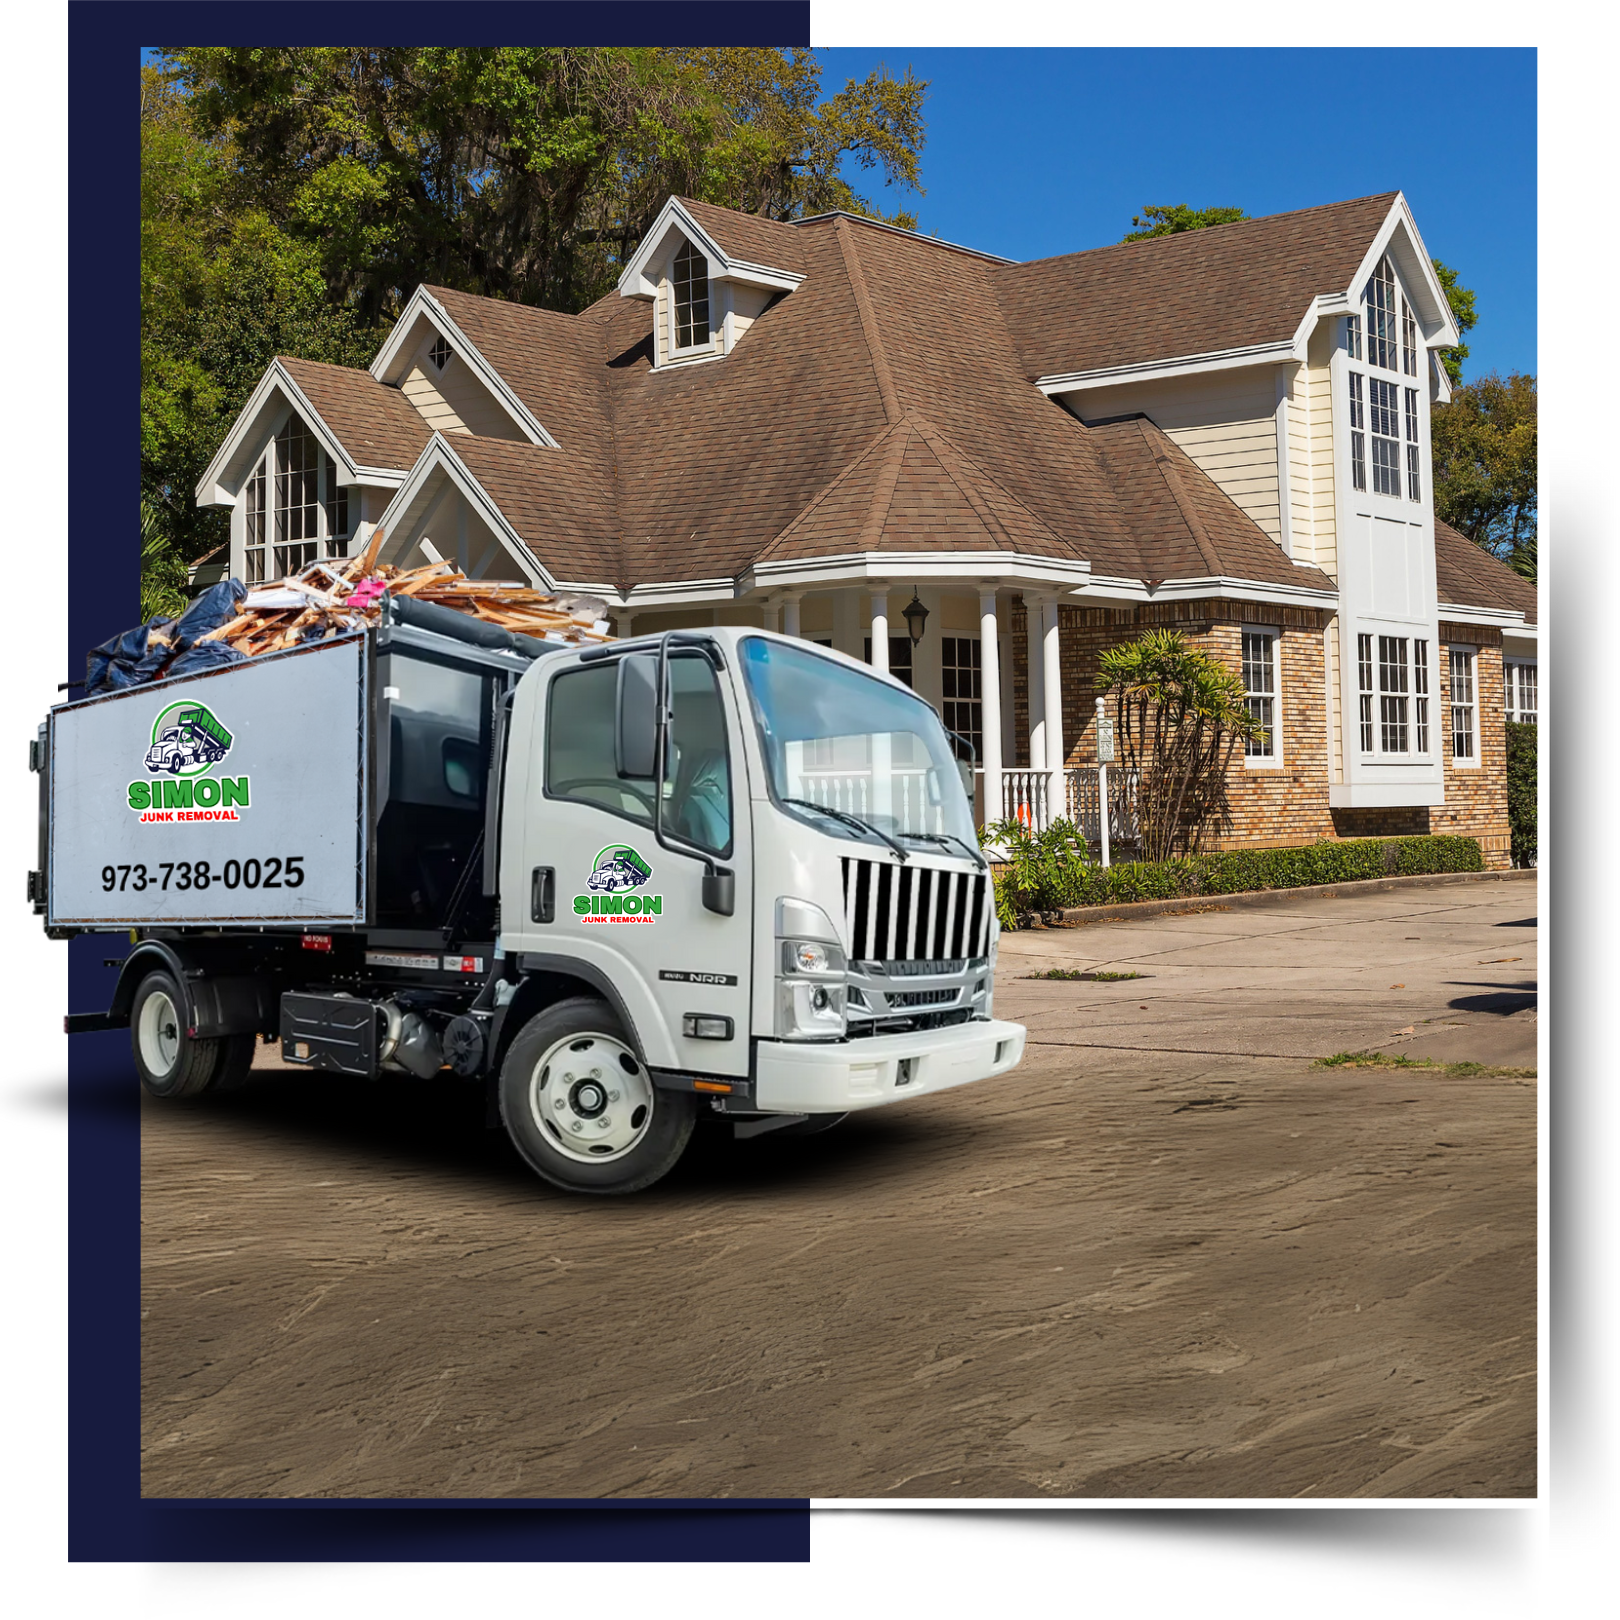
(1179,716)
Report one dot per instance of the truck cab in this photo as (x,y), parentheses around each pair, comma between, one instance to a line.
(763,852)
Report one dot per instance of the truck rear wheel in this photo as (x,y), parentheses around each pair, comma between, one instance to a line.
(170,1062)
(581,1107)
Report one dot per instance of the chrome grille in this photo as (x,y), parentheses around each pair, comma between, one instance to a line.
(910,912)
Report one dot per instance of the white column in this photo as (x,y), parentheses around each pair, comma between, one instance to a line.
(878,604)
(790,616)
(1036,684)
(1052,669)
(990,701)
(769,610)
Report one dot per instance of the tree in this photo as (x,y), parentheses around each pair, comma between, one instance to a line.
(530,174)
(1484,446)
(1180,715)
(1158,220)
(223,291)
(1463,313)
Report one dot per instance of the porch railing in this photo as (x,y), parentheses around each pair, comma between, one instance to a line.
(1024,797)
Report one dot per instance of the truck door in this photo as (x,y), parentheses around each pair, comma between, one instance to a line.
(622,900)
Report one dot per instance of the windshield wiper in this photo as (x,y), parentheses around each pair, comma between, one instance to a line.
(852,821)
(950,838)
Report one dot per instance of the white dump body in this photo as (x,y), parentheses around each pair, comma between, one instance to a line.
(264,823)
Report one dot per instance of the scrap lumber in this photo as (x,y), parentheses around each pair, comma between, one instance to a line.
(330,598)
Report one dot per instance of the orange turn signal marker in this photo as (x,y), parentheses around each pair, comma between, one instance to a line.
(709,1085)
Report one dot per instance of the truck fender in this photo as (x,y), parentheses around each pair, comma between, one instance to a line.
(553,978)
(232,1004)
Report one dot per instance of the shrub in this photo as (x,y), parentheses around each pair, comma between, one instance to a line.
(1521,791)
(1057,875)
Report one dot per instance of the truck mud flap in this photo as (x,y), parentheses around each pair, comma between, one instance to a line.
(336,1033)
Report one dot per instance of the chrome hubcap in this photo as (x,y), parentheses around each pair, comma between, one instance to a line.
(591,1098)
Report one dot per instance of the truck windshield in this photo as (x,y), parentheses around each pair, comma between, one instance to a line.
(835,737)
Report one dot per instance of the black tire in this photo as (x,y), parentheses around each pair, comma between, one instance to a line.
(235,1062)
(171,1063)
(538,1096)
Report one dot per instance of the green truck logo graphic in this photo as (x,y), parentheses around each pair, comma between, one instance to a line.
(188,741)
(617,874)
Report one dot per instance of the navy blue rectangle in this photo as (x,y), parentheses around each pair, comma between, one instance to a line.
(107,1517)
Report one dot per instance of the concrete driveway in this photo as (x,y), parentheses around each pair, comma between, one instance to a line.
(1445,972)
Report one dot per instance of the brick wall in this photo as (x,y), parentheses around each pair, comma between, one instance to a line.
(1286,804)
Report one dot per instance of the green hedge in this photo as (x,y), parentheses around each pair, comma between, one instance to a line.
(1521,791)
(1079,883)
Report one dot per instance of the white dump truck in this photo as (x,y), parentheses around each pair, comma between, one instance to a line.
(711,871)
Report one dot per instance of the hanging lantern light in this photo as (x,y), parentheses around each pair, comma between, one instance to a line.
(916,617)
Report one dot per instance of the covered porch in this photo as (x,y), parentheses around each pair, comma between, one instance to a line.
(962,645)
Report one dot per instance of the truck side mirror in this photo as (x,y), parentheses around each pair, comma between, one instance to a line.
(635,736)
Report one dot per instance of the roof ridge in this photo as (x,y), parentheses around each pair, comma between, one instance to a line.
(1155,243)
(1170,471)
(869,325)
(888,479)
(929,434)
(848,471)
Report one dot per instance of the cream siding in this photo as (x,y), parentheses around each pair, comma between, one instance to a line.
(747,305)
(454,400)
(1226,421)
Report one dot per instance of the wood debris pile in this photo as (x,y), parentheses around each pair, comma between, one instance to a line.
(328,598)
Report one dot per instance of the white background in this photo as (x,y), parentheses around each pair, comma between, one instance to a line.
(1379,1560)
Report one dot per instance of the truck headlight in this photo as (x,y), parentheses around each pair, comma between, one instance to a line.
(811,971)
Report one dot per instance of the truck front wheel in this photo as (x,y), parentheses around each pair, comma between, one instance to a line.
(581,1107)
(170,1062)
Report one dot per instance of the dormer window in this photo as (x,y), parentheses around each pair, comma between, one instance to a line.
(691,282)
(440,353)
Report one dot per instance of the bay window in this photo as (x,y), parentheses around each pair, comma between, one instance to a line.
(1364,685)
(1401,680)
(1392,695)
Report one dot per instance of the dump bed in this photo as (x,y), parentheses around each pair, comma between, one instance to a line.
(340,784)
(269,824)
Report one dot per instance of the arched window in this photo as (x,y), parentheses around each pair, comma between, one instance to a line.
(1383,313)
(691,298)
(295,506)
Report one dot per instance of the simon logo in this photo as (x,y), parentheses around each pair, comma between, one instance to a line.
(618,869)
(188,741)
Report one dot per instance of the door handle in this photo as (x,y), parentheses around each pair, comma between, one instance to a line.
(543,895)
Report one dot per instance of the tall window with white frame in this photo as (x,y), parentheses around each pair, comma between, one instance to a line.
(1519,692)
(1420,692)
(1414,488)
(1260,692)
(1383,308)
(1358,430)
(295,507)
(1391,345)
(1364,688)
(1393,696)
(1462,706)
(691,284)
(961,690)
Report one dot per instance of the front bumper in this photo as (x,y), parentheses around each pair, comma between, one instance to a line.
(837,1078)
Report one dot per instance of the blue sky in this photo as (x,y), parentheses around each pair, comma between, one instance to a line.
(1036,152)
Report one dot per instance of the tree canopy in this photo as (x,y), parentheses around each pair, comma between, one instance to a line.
(1463,312)
(1170,220)
(292,199)
(1484,445)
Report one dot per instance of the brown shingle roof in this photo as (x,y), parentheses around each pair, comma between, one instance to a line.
(376,425)
(884,404)
(1469,576)
(1199,292)
(555,501)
